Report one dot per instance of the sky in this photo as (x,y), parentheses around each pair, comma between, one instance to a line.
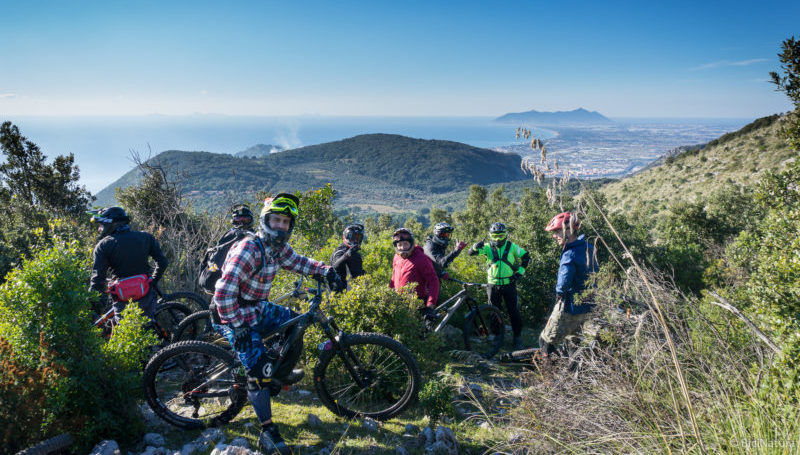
(409,58)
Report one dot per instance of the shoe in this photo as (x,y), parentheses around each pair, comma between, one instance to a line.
(270,440)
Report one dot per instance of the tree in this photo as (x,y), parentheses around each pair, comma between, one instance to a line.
(25,175)
(789,83)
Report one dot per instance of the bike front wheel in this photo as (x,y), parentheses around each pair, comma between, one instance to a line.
(193,384)
(483,329)
(371,375)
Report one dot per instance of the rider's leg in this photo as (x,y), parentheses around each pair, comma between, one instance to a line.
(512,306)
(495,295)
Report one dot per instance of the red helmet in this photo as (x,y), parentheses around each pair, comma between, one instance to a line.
(558,222)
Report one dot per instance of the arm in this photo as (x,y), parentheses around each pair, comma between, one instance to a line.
(566,273)
(432,283)
(525,259)
(161,261)
(340,257)
(449,258)
(292,261)
(478,248)
(99,269)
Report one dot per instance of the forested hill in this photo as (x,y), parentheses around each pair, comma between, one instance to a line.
(738,158)
(375,168)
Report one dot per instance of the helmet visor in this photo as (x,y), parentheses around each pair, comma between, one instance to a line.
(284,206)
(445,235)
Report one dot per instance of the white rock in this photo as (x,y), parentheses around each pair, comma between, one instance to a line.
(213,434)
(485,425)
(154,439)
(411,429)
(314,421)
(241,442)
(428,436)
(370,424)
(225,449)
(446,438)
(107,447)
(188,449)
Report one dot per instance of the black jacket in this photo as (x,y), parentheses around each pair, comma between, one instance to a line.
(126,253)
(344,259)
(436,251)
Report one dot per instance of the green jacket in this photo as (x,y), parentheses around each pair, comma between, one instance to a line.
(499,271)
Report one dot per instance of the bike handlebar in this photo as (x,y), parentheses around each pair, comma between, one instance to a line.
(467,283)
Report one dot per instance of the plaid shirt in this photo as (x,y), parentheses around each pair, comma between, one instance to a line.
(239,278)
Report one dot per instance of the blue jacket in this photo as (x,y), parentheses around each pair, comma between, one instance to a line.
(577,262)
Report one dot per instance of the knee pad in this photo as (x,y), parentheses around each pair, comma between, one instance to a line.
(260,376)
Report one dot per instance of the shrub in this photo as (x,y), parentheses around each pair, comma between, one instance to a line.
(436,399)
(89,390)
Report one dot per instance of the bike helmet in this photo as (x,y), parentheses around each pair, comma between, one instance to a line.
(110,219)
(241,216)
(441,233)
(353,235)
(498,233)
(283,204)
(401,235)
(565,222)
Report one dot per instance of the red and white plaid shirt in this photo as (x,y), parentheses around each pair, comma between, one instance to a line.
(239,278)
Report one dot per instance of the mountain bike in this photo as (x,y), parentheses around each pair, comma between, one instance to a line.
(197,326)
(482,324)
(167,318)
(194,384)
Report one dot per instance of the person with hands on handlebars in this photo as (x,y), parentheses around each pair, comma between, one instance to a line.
(503,273)
(411,265)
(242,311)
(436,248)
(346,256)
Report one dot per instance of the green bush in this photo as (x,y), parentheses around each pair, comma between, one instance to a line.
(90,390)
(436,399)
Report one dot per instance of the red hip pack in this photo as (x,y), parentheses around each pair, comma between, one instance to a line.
(131,288)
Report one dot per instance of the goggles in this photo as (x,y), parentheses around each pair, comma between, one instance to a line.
(497,235)
(283,205)
(445,235)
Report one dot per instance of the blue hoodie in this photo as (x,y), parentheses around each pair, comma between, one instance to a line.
(577,262)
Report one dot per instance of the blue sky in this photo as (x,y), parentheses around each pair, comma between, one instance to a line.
(626,59)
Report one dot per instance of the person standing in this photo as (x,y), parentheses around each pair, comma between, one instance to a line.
(436,248)
(503,272)
(410,265)
(244,313)
(346,257)
(576,264)
(125,253)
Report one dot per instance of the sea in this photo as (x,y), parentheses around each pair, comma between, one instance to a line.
(104,146)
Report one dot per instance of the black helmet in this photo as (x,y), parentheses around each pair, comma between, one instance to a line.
(109,218)
(403,234)
(353,234)
(241,216)
(498,233)
(282,204)
(441,233)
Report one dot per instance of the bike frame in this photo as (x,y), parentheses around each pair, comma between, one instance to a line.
(298,324)
(460,297)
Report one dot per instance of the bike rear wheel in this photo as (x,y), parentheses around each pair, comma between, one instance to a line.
(388,374)
(193,384)
(197,326)
(482,327)
(195,302)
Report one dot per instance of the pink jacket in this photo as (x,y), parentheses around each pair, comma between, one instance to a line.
(418,268)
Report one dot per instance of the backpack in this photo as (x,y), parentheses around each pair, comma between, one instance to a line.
(211,268)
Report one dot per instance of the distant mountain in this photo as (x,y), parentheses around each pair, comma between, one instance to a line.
(685,174)
(259,151)
(379,169)
(579,116)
